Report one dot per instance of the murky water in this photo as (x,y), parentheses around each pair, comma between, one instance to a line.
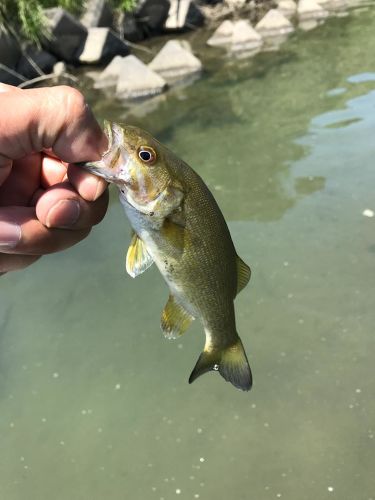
(95,404)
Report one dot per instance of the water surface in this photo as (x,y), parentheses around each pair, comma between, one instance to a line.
(95,404)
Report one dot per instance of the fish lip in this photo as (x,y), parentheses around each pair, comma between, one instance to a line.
(99,167)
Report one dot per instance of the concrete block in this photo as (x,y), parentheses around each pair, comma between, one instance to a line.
(244,37)
(138,80)
(101,45)
(274,24)
(174,61)
(98,14)
(222,35)
(68,34)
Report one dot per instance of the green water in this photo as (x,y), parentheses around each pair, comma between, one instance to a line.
(95,404)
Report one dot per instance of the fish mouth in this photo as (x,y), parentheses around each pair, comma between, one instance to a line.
(114,161)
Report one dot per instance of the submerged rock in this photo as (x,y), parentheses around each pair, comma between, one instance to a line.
(274,23)
(68,34)
(174,61)
(288,8)
(101,45)
(222,35)
(244,37)
(310,9)
(184,14)
(135,79)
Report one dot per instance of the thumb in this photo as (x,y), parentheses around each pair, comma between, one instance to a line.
(6,164)
(54,117)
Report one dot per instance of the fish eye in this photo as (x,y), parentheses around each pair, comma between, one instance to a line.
(147,155)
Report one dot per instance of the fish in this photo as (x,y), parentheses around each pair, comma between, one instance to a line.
(177,224)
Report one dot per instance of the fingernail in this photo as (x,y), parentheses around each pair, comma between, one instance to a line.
(63,214)
(10,235)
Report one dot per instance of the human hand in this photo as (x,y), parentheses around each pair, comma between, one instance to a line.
(46,204)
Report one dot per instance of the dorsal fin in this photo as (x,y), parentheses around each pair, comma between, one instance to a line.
(243,274)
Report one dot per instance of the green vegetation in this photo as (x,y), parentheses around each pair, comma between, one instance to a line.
(26,17)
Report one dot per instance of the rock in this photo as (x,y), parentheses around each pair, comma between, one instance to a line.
(222,35)
(101,45)
(244,37)
(44,60)
(184,14)
(137,80)
(109,76)
(274,24)
(310,9)
(68,34)
(288,8)
(152,15)
(174,61)
(97,14)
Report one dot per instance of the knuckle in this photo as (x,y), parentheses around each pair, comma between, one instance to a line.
(71,100)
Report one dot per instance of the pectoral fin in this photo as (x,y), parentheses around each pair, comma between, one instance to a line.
(175,319)
(137,259)
(174,234)
(243,274)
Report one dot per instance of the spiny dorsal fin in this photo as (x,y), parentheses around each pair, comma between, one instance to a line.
(175,320)
(243,274)
(137,259)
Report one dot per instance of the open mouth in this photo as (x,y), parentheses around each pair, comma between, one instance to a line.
(112,165)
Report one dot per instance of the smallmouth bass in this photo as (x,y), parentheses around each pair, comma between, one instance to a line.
(178,225)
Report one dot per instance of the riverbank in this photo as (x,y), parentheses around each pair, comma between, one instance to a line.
(133,67)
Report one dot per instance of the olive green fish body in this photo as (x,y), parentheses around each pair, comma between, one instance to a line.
(178,225)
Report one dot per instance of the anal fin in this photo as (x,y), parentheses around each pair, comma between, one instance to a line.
(137,259)
(175,320)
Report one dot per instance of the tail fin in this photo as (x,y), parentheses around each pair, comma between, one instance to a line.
(231,363)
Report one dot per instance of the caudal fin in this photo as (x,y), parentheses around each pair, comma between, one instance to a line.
(231,363)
